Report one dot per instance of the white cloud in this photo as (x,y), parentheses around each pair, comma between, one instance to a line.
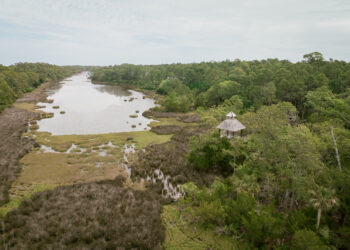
(163,31)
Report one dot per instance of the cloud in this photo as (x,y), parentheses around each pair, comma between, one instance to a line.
(104,32)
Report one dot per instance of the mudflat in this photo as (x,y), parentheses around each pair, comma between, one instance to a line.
(13,122)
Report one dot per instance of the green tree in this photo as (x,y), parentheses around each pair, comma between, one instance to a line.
(172,85)
(314,57)
(222,91)
(268,93)
(324,105)
(7,96)
(307,240)
(175,102)
(210,152)
(322,199)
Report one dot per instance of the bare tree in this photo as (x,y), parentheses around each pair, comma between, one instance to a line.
(336,149)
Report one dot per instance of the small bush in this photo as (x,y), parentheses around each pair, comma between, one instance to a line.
(307,240)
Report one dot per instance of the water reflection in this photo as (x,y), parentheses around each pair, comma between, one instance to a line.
(114,90)
(94,109)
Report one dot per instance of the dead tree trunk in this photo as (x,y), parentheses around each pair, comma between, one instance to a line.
(291,205)
(319,212)
(285,201)
(336,149)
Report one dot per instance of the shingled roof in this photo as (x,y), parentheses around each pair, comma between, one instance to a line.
(231,125)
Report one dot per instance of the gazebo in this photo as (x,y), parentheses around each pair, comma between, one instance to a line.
(231,126)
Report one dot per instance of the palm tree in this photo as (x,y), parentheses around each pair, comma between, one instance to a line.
(322,199)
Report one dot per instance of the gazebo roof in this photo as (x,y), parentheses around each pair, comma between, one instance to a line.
(231,125)
(231,115)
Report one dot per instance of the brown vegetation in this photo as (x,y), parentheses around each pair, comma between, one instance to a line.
(187,118)
(100,215)
(46,115)
(170,158)
(166,129)
(34,127)
(14,122)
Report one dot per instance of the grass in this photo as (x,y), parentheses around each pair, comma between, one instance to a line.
(42,170)
(169,121)
(62,143)
(34,127)
(46,170)
(180,234)
(18,195)
(31,107)
(65,169)
(46,115)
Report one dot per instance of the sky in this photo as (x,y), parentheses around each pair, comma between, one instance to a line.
(108,32)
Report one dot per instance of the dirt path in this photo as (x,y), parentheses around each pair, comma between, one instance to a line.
(13,122)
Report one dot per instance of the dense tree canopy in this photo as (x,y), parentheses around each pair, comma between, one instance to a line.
(257,82)
(20,78)
(285,184)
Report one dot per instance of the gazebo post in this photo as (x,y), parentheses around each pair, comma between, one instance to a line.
(231,127)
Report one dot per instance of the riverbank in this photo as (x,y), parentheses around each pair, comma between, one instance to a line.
(13,123)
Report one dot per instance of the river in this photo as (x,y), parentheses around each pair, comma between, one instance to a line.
(87,108)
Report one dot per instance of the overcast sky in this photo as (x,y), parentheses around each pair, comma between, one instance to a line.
(105,32)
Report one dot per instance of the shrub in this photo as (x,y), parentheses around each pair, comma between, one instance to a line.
(307,240)
(86,216)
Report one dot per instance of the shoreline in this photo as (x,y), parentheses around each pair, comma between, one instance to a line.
(14,121)
(148,93)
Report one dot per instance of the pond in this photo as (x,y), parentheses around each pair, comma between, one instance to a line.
(81,107)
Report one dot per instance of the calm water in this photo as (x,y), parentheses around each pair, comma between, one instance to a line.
(93,109)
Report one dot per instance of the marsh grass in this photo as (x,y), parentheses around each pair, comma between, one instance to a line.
(46,115)
(101,215)
(170,121)
(31,107)
(182,234)
(63,217)
(65,169)
(76,150)
(62,143)
(34,127)
(19,193)
(44,169)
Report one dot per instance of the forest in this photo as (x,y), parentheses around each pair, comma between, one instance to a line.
(20,78)
(286,183)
